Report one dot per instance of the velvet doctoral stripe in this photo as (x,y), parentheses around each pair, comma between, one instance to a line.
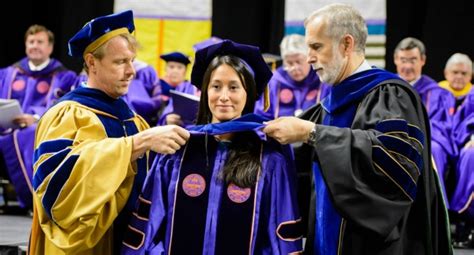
(191,198)
(235,221)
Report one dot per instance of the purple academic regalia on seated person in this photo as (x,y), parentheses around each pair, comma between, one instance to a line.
(290,98)
(463,132)
(36,91)
(185,87)
(143,95)
(439,104)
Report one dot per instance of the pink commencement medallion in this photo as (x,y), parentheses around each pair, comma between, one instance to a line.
(194,185)
(238,194)
(18,85)
(164,97)
(311,95)
(286,96)
(42,87)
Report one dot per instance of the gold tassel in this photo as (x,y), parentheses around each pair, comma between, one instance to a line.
(266,98)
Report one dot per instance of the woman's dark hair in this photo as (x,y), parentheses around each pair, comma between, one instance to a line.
(243,161)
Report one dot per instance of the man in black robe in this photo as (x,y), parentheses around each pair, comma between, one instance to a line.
(374,190)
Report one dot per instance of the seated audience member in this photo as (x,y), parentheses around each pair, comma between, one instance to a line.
(458,75)
(228,191)
(174,79)
(461,201)
(409,58)
(36,81)
(295,86)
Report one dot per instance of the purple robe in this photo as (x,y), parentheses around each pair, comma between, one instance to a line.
(463,123)
(185,87)
(290,98)
(36,91)
(186,208)
(439,104)
(143,93)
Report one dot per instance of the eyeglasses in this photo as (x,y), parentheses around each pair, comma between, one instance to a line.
(292,66)
(409,60)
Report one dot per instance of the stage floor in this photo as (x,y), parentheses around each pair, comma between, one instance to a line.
(15,231)
(14,234)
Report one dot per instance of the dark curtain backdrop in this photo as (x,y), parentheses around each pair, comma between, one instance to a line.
(63,17)
(444,26)
(259,23)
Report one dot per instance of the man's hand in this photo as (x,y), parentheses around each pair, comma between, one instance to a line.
(24,120)
(174,119)
(163,139)
(469,144)
(289,129)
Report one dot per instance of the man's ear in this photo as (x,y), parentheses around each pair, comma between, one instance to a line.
(423,60)
(90,62)
(348,43)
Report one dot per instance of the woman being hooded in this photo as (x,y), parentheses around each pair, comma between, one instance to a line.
(229,190)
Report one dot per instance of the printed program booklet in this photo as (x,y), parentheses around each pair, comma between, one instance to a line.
(185,105)
(9,109)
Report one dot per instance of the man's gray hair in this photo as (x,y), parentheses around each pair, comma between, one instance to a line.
(459,58)
(293,44)
(410,43)
(342,19)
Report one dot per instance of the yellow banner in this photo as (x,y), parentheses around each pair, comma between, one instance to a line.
(161,36)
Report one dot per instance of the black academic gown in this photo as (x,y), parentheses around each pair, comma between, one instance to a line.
(372,158)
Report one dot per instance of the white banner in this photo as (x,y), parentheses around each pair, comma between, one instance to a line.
(298,10)
(167,9)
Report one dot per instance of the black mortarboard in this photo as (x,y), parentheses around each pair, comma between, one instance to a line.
(176,57)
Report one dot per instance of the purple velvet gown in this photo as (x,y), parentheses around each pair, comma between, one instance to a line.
(290,98)
(186,207)
(143,93)
(461,200)
(36,91)
(439,104)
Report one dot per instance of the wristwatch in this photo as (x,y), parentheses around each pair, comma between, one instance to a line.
(312,136)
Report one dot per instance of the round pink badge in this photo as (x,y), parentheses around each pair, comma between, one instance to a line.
(238,194)
(286,96)
(194,185)
(42,87)
(18,85)
(311,95)
(164,97)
